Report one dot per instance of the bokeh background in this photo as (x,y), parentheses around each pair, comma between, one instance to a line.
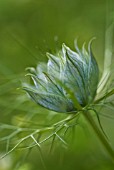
(28,29)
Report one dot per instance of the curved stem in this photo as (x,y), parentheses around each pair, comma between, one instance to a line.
(100,135)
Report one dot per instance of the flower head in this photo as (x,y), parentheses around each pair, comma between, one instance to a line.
(69,71)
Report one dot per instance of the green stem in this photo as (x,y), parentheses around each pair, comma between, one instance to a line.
(100,135)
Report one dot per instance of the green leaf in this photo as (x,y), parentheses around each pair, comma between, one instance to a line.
(108,94)
(50,101)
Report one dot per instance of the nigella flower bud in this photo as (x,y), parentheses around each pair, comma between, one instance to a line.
(76,71)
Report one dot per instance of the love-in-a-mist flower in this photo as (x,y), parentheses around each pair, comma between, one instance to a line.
(65,73)
(69,83)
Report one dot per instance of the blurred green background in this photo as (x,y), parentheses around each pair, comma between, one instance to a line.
(28,29)
(43,26)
